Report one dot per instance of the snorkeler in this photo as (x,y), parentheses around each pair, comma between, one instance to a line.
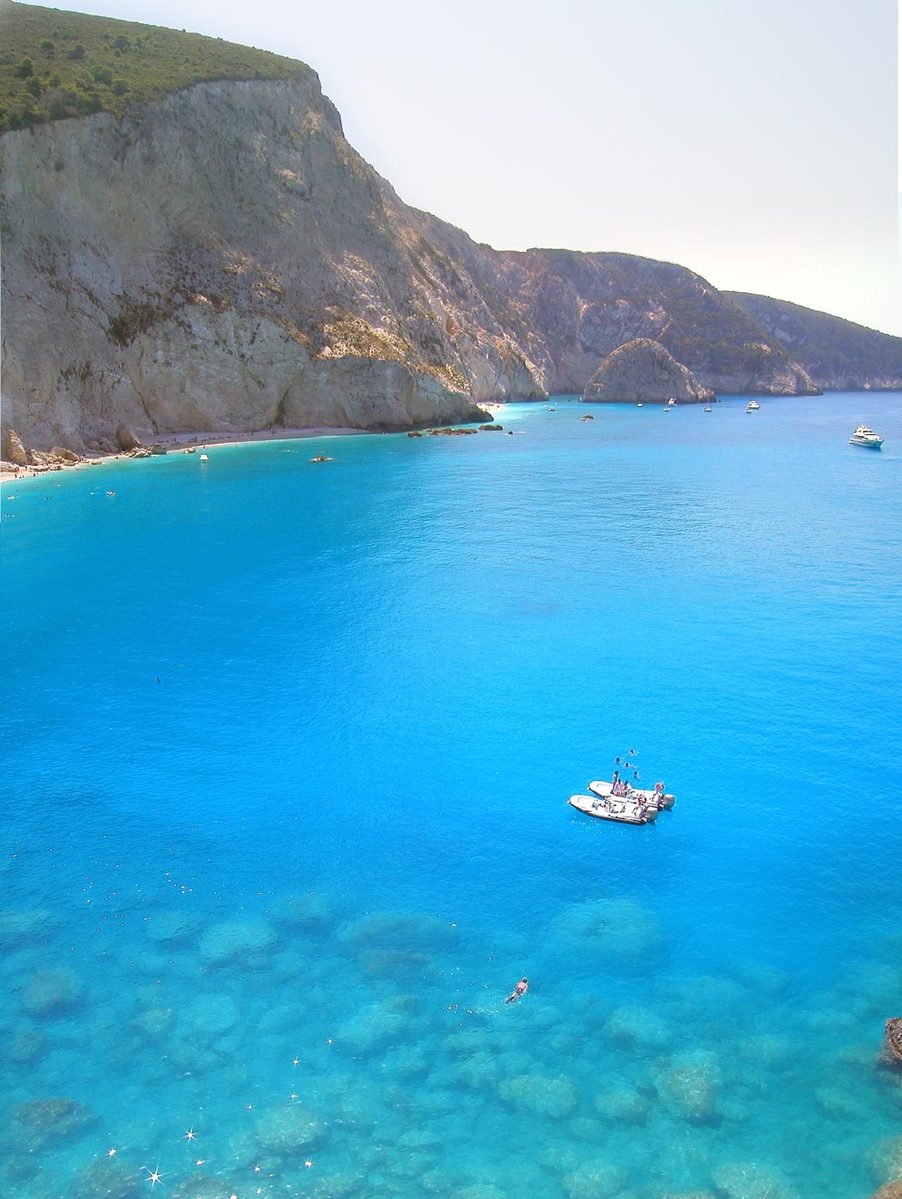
(520,989)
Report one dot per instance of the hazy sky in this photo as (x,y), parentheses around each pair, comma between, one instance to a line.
(753,142)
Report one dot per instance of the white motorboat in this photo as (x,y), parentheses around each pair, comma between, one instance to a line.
(866,437)
(671,403)
(707,407)
(621,810)
(752,406)
(657,799)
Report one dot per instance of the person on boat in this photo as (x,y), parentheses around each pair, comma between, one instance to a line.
(615,783)
(520,989)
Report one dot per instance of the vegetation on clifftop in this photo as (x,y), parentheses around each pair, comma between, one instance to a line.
(56,64)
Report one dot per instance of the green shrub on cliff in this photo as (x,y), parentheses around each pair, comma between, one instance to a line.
(56,64)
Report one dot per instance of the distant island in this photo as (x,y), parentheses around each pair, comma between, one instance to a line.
(189,242)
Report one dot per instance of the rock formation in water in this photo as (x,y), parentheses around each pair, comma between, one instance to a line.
(222,260)
(642,369)
(892,1043)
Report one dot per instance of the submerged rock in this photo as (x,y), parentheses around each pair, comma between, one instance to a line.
(210,1016)
(235,940)
(638,1026)
(401,931)
(622,1105)
(287,1131)
(154,1023)
(642,369)
(595,1180)
(42,1123)
(20,926)
(375,1025)
(51,992)
(310,913)
(28,1046)
(542,1094)
(110,1179)
(618,931)
(689,1086)
(748,1180)
(167,927)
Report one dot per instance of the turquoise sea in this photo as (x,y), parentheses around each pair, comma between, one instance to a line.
(286,754)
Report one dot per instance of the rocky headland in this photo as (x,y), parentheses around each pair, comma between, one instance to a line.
(220,258)
(642,370)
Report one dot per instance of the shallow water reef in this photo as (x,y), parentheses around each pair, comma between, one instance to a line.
(553,1096)
(47,1123)
(52,992)
(237,942)
(402,932)
(689,1085)
(20,927)
(748,1180)
(619,932)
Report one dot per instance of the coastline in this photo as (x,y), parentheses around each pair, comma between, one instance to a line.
(183,443)
(180,443)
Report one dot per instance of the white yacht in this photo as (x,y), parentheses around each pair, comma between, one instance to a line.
(752,406)
(866,437)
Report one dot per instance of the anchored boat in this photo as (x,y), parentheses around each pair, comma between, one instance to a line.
(657,799)
(866,437)
(619,800)
(622,810)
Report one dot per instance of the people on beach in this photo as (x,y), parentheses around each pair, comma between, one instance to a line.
(520,989)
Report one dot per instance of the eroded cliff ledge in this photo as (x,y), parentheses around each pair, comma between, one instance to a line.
(222,259)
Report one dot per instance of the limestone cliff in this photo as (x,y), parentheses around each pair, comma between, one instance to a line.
(221,259)
(838,354)
(642,370)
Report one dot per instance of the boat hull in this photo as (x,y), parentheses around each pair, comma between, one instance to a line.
(867,443)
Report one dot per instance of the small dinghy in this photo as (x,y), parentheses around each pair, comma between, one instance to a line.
(658,798)
(621,810)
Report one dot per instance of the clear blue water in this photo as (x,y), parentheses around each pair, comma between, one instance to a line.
(287,749)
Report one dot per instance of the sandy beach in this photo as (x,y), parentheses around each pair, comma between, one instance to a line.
(179,443)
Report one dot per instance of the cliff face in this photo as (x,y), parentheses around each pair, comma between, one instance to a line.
(585,305)
(838,354)
(223,260)
(220,260)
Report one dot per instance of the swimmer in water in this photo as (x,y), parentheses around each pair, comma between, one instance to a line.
(520,989)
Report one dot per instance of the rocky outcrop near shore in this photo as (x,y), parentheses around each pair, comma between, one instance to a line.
(222,259)
(891,1054)
(642,370)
